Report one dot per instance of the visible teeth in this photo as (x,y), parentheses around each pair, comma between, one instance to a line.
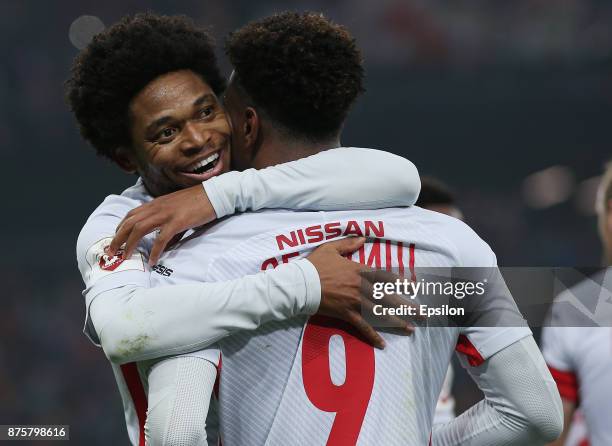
(206,161)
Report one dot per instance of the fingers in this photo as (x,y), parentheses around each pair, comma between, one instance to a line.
(138,232)
(171,214)
(121,235)
(123,231)
(132,230)
(125,227)
(389,300)
(366,330)
(395,301)
(347,245)
(381,275)
(386,319)
(159,245)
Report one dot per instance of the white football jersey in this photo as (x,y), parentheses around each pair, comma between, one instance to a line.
(580,358)
(445,407)
(313,182)
(314,381)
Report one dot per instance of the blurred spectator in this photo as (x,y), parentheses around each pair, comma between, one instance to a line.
(436,196)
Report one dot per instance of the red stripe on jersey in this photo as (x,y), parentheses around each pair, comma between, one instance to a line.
(567,383)
(218,379)
(465,346)
(216,390)
(412,274)
(400,258)
(136,389)
(388,254)
(584,442)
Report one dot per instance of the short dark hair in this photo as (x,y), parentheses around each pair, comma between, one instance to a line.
(434,192)
(303,70)
(120,61)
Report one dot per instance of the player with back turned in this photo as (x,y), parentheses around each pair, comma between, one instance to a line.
(314,381)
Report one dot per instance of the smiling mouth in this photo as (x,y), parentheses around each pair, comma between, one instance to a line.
(205,165)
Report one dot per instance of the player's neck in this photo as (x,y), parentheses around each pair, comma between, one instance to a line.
(280,150)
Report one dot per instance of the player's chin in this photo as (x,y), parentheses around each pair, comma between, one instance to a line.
(187,179)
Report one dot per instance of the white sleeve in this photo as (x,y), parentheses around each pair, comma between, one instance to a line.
(554,347)
(179,394)
(336,179)
(135,323)
(100,272)
(495,320)
(521,405)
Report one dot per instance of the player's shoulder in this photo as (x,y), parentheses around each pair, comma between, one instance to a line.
(104,219)
(467,246)
(119,204)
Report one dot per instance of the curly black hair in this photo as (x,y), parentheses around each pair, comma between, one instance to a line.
(303,70)
(120,61)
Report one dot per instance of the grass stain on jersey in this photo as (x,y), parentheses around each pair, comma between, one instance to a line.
(133,346)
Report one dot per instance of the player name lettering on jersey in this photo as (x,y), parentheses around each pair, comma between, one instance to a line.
(372,254)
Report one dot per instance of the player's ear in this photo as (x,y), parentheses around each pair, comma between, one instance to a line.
(125,159)
(251,127)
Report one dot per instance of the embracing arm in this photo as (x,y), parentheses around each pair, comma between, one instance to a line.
(521,405)
(133,323)
(336,179)
(128,318)
(341,179)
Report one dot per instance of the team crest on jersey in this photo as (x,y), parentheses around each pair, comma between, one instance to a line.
(102,264)
(110,263)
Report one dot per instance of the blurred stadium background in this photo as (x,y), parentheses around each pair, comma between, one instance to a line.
(507,102)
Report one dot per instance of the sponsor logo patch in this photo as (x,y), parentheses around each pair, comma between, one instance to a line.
(162,270)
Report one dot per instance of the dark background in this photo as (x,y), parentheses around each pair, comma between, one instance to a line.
(507,102)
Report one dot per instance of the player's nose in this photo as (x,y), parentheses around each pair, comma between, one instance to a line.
(194,139)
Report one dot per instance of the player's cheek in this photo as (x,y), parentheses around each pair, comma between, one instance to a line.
(227,156)
(222,127)
(164,158)
(220,123)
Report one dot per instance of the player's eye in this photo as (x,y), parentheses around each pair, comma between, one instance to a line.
(166,134)
(207,112)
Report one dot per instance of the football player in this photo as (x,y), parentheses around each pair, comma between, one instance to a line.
(146,95)
(314,381)
(580,357)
